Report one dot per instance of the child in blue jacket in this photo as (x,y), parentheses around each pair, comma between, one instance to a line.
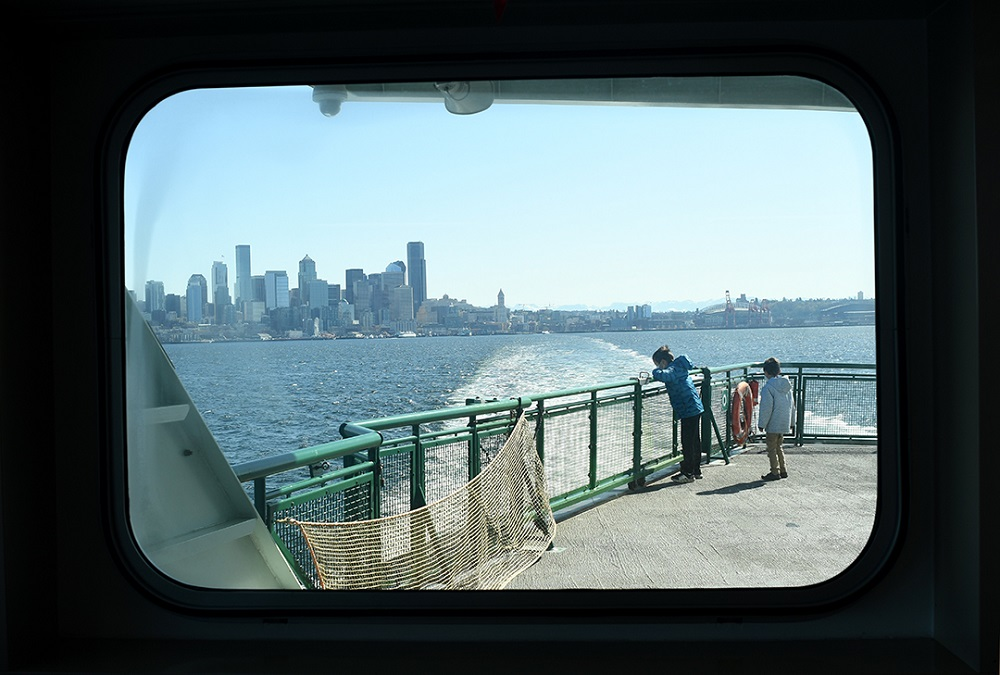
(686,402)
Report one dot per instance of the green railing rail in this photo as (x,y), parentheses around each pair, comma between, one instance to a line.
(591,440)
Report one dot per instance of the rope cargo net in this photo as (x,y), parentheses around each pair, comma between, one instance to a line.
(480,536)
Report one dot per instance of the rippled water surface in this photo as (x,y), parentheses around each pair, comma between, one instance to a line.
(264,398)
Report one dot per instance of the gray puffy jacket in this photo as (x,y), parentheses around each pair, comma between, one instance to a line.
(777,407)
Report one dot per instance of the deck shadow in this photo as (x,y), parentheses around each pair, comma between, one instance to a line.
(727,490)
(735,488)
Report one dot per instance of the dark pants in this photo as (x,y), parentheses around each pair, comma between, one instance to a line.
(691,445)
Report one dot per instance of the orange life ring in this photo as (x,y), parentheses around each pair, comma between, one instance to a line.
(742,412)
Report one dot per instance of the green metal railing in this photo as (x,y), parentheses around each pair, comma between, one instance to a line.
(591,440)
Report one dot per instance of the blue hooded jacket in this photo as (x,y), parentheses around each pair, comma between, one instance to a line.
(680,387)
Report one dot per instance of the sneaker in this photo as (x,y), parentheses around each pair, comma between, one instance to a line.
(771,476)
(682,478)
(784,475)
(698,476)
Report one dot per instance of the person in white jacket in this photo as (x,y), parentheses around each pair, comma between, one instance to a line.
(776,416)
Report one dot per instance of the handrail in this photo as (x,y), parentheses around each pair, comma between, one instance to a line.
(793,364)
(356,439)
(365,435)
(259,468)
(412,419)
(582,390)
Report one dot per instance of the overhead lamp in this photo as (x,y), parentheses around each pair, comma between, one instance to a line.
(329,97)
(466,98)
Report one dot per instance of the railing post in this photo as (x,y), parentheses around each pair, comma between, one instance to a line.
(418,471)
(638,480)
(800,407)
(260,499)
(351,430)
(593,440)
(706,417)
(728,411)
(474,459)
(373,457)
(540,431)
(675,440)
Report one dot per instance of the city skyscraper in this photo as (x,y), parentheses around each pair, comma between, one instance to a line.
(318,292)
(394,275)
(276,289)
(154,296)
(197,296)
(220,290)
(307,274)
(352,275)
(244,285)
(401,304)
(220,280)
(416,267)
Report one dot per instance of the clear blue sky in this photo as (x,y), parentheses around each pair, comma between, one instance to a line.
(555,204)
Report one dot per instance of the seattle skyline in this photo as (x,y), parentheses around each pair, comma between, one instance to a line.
(557,205)
(233,284)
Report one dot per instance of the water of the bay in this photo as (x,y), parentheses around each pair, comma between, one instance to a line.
(265,398)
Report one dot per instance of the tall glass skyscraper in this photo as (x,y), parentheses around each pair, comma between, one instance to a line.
(197,296)
(354,274)
(276,289)
(416,268)
(220,281)
(307,274)
(244,285)
(155,297)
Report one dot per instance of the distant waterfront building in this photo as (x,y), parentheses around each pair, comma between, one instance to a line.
(352,276)
(501,314)
(401,304)
(318,292)
(257,293)
(307,274)
(155,297)
(416,267)
(345,313)
(244,282)
(220,277)
(362,293)
(197,298)
(394,275)
(276,289)
(220,291)
(253,311)
(383,296)
(172,304)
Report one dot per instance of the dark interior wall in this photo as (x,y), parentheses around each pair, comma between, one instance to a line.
(25,340)
(986,69)
(965,212)
(955,301)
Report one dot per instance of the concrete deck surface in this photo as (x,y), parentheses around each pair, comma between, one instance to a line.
(728,530)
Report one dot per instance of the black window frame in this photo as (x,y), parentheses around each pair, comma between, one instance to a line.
(886,537)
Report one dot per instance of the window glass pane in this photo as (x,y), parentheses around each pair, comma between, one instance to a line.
(300,257)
